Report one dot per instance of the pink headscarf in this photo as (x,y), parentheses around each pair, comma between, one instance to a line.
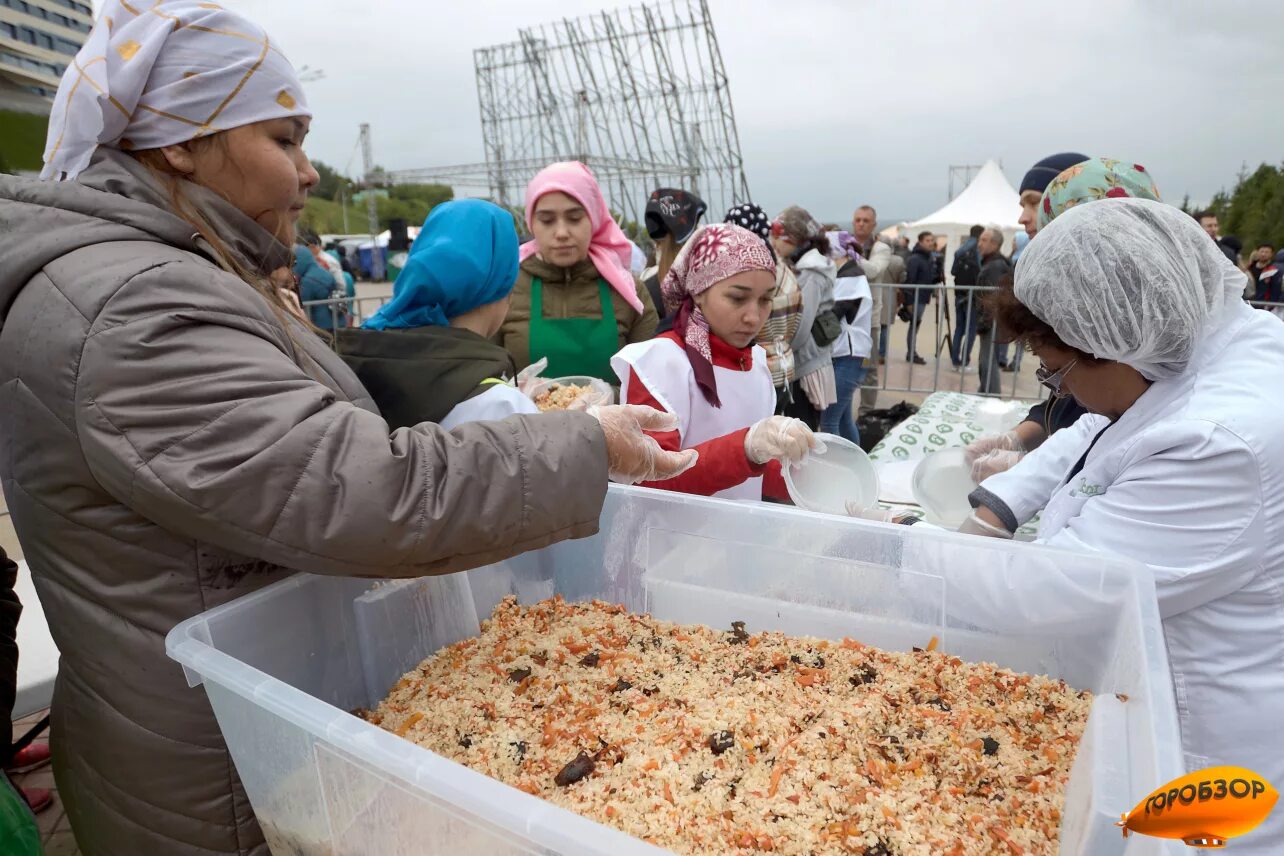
(716,252)
(610,252)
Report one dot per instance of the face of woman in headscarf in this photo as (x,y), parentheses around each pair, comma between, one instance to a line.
(737,307)
(260,168)
(562,229)
(1029,219)
(783,245)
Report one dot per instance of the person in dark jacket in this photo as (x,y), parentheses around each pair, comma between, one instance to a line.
(427,354)
(316,284)
(921,270)
(1262,258)
(1229,245)
(994,269)
(671,218)
(965,270)
(1270,281)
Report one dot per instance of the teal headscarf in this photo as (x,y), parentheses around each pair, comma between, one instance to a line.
(1095,178)
(465,257)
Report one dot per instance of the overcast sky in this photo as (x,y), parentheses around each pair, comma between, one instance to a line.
(841,102)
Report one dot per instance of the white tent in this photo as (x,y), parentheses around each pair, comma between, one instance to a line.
(989,200)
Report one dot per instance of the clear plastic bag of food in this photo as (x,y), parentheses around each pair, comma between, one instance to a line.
(571,393)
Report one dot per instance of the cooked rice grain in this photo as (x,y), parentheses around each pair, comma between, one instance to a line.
(720,741)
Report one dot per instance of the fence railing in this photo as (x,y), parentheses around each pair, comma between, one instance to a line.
(946,332)
(953,337)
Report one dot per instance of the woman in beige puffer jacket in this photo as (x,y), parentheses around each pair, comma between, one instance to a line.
(171,438)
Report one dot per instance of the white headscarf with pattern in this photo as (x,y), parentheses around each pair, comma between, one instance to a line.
(160,72)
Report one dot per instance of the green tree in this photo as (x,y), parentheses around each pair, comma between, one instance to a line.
(1254,210)
(332,183)
(409,202)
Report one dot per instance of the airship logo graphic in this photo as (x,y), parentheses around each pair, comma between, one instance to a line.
(1205,808)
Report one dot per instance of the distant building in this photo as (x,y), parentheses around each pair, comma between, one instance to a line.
(38,39)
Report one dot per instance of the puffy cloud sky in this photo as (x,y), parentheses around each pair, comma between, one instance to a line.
(840,102)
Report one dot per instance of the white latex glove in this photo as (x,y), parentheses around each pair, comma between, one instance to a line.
(632,456)
(987,443)
(529,377)
(780,438)
(976,526)
(994,462)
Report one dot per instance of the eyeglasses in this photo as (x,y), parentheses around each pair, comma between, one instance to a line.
(1053,380)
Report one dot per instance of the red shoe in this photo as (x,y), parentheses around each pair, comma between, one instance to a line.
(30,757)
(38,799)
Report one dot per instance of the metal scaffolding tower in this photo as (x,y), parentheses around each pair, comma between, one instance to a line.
(639,94)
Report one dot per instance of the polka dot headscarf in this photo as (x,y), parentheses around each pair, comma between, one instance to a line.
(751,217)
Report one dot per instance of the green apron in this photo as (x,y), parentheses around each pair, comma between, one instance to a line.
(19,835)
(574,346)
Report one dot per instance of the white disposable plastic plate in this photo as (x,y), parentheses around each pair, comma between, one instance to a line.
(827,482)
(942,482)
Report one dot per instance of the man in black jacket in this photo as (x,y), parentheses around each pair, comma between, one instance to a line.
(922,270)
(994,267)
(965,270)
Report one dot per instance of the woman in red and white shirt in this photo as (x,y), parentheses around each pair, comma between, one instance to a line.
(708,372)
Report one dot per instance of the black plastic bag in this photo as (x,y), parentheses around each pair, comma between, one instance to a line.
(875,424)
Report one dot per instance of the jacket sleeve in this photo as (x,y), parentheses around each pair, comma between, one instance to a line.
(1018,494)
(723,463)
(1190,507)
(315,285)
(810,284)
(644,325)
(921,270)
(191,410)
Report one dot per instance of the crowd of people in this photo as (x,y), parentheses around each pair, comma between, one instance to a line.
(177,430)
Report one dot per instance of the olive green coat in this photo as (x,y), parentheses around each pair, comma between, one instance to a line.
(570,293)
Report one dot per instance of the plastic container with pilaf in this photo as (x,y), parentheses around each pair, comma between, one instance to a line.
(283,666)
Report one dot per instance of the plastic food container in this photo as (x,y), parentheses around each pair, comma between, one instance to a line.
(282,666)
(826,482)
(941,484)
(602,392)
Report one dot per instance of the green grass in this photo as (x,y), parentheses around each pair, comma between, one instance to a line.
(22,140)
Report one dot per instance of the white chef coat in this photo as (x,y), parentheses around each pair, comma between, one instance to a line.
(500,401)
(747,396)
(1190,481)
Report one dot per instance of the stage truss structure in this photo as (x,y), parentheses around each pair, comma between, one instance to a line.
(640,94)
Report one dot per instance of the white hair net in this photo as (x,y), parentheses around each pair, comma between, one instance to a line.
(1129,280)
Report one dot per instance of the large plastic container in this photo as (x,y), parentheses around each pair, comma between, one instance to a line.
(283,666)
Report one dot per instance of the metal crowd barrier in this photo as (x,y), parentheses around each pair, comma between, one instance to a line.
(345,311)
(959,356)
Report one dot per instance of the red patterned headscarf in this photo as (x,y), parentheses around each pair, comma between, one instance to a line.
(716,252)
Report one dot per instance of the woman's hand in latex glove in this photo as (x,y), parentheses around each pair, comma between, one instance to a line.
(779,438)
(994,462)
(876,514)
(986,443)
(632,456)
(974,525)
(529,377)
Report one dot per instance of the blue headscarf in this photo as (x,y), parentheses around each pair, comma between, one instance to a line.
(465,257)
(1022,239)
